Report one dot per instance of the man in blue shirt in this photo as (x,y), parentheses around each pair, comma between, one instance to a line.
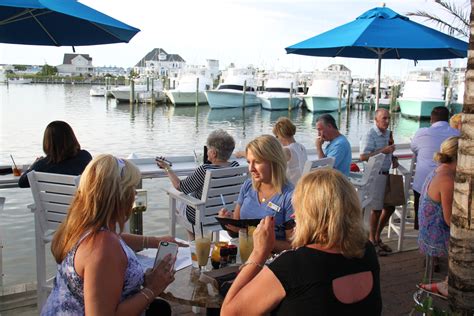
(338,146)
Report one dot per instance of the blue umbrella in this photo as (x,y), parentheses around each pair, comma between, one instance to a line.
(59,23)
(382,33)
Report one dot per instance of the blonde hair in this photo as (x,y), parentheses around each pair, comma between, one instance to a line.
(448,151)
(328,213)
(268,148)
(455,120)
(104,198)
(284,127)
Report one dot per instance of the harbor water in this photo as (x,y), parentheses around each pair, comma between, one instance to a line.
(103,126)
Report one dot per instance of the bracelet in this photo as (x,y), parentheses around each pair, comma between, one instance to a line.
(148,299)
(152,294)
(249,263)
(167,169)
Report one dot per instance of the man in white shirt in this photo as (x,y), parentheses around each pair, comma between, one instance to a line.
(425,144)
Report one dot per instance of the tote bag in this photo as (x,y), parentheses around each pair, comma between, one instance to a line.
(394,191)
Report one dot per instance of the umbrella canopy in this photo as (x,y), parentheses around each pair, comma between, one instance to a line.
(59,23)
(382,33)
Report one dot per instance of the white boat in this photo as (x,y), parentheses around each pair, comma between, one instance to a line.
(98,91)
(325,90)
(185,92)
(280,94)
(142,92)
(423,91)
(20,81)
(231,94)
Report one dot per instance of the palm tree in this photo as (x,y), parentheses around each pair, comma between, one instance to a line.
(461,249)
(457,23)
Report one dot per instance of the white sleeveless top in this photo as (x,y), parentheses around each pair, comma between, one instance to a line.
(295,165)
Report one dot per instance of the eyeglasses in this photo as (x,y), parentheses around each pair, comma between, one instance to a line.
(290,224)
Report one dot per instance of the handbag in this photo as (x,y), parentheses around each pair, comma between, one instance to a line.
(394,191)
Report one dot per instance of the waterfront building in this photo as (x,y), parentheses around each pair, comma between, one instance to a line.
(159,62)
(76,65)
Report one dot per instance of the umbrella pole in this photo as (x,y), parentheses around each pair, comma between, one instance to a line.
(377,91)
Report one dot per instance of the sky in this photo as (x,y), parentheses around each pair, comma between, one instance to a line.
(243,32)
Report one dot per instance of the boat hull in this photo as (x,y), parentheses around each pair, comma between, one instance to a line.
(229,99)
(418,108)
(186,98)
(278,103)
(323,104)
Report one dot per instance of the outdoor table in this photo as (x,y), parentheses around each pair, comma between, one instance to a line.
(187,289)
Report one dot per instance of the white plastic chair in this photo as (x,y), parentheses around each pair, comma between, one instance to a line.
(52,195)
(365,182)
(311,165)
(225,181)
(401,211)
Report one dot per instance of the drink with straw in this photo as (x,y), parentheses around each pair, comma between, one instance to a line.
(246,242)
(15,169)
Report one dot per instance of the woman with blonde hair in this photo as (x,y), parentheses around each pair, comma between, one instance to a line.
(436,202)
(284,130)
(333,268)
(268,192)
(455,121)
(98,272)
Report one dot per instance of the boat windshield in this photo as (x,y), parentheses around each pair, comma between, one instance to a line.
(235,87)
(277,90)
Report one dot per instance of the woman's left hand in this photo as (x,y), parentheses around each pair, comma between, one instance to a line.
(171,239)
(264,238)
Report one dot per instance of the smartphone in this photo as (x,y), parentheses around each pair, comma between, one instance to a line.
(159,158)
(204,157)
(164,249)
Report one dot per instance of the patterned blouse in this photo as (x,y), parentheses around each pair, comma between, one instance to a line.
(433,238)
(67,296)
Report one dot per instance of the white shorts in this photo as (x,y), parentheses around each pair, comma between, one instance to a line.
(379,192)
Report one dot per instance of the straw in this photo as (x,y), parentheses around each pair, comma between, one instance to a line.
(202,232)
(13,161)
(194,234)
(195,155)
(223,201)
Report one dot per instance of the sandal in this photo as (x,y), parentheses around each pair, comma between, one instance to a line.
(432,289)
(384,247)
(380,251)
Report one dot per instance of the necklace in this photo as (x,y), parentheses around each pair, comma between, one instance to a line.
(263,198)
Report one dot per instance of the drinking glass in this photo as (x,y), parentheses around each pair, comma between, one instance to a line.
(245,243)
(203,247)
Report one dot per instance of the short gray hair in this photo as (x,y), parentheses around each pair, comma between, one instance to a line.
(222,143)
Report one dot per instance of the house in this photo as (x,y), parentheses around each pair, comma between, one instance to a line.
(159,62)
(76,65)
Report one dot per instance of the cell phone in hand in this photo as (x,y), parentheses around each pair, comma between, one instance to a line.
(162,159)
(164,249)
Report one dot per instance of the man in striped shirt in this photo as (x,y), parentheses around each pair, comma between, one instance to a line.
(379,139)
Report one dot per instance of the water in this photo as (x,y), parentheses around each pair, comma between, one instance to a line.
(102,126)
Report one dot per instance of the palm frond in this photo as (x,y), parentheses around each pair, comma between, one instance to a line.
(459,26)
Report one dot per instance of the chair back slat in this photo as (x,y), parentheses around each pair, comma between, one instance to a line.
(311,165)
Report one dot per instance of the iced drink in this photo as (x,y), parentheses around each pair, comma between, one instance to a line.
(203,247)
(16,171)
(245,243)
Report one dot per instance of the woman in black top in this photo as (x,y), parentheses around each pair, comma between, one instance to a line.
(63,153)
(333,269)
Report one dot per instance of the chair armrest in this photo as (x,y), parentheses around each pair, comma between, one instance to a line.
(32,207)
(187,199)
(404,171)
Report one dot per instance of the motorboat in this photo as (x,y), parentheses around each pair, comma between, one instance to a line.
(20,81)
(143,92)
(325,90)
(279,94)
(423,91)
(98,91)
(189,89)
(231,93)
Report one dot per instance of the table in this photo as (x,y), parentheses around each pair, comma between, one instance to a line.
(187,289)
